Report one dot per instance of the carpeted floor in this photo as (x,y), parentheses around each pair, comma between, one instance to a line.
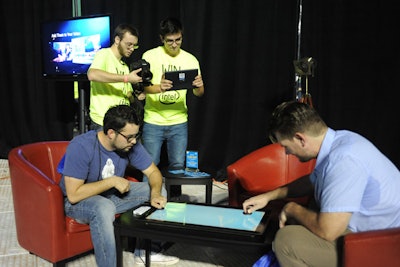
(12,255)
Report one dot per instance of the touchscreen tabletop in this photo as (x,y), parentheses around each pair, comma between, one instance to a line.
(214,216)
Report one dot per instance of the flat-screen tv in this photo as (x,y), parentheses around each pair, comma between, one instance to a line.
(69,45)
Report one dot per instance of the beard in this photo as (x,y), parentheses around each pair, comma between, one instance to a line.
(123,152)
(304,158)
(122,52)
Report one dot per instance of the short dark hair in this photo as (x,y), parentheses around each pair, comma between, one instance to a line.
(291,117)
(170,26)
(118,116)
(123,28)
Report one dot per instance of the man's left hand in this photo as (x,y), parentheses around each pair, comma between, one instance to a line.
(198,81)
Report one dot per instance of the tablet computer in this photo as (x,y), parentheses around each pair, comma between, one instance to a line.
(211,220)
(181,79)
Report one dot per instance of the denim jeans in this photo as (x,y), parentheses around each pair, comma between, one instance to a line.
(176,137)
(99,212)
(95,126)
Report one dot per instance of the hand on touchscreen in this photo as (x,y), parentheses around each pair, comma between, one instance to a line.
(158,202)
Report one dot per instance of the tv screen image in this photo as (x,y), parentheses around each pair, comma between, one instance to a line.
(69,45)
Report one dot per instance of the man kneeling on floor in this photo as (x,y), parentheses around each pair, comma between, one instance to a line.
(95,189)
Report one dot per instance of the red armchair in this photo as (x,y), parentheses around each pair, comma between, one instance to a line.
(263,170)
(42,227)
(372,248)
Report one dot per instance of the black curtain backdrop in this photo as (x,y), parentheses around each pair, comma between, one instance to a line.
(246,51)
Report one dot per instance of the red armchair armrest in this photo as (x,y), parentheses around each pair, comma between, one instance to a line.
(263,170)
(372,248)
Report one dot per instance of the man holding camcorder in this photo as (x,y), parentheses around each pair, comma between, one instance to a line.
(110,78)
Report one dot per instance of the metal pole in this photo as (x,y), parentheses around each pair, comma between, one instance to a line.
(300,6)
(76,8)
(298,86)
(76,12)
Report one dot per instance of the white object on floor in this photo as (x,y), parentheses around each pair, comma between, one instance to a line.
(156,259)
(195,193)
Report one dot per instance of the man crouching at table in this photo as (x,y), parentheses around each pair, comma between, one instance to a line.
(355,186)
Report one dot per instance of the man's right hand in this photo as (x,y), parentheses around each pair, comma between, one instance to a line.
(255,203)
(133,77)
(121,184)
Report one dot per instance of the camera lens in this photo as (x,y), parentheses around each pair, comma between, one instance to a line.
(145,73)
(147,76)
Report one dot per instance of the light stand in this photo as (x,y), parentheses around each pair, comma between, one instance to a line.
(306,97)
(76,12)
(304,67)
(298,81)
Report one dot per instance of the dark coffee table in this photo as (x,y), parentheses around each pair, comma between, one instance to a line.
(128,225)
(182,179)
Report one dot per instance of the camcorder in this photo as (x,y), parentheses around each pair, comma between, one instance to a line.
(145,73)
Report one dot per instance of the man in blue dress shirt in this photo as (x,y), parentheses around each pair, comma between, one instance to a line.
(355,187)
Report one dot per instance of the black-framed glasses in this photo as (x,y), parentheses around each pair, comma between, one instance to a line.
(129,138)
(172,41)
(131,45)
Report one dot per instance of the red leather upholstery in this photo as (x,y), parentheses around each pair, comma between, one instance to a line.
(263,170)
(42,227)
(372,248)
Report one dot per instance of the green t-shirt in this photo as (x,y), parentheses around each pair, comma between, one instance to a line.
(167,108)
(105,95)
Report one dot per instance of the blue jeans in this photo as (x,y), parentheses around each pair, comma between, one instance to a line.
(99,212)
(95,126)
(176,137)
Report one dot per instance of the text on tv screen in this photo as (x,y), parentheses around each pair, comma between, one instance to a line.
(69,45)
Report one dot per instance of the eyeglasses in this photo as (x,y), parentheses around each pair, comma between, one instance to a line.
(131,45)
(129,138)
(172,41)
